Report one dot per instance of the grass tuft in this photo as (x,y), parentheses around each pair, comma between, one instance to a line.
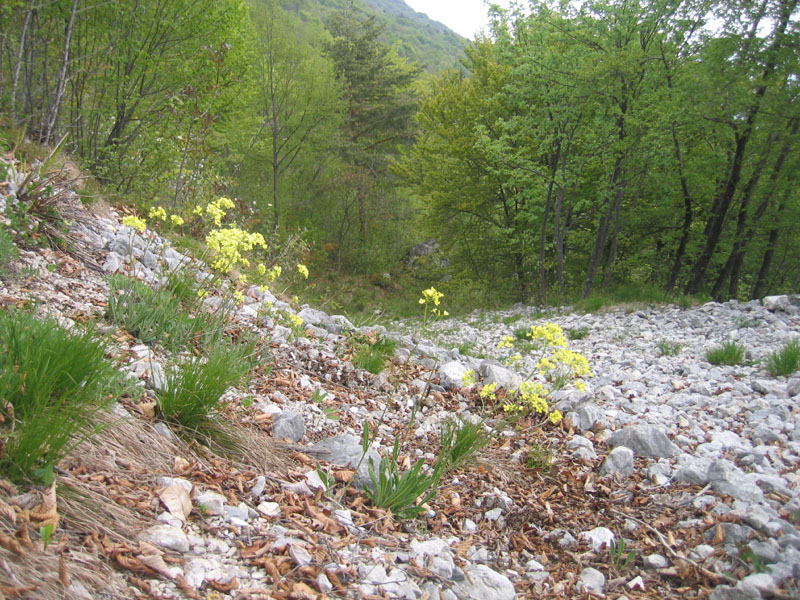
(785,361)
(195,386)
(52,382)
(729,353)
(669,348)
(372,354)
(578,333)
(462,440)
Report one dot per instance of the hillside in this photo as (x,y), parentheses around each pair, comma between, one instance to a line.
(413,34)
(667,478)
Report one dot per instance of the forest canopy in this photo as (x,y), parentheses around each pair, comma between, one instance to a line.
(574,149)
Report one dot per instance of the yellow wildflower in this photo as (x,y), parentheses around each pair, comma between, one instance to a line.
(177,220)
(303,270)
(135,223)
(555,417)
(158,212)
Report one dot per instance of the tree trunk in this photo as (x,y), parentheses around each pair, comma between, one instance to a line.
(62,77)
(724,197)
(20,54)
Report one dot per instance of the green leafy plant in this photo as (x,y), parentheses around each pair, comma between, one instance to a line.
(511,319)
(399,493)
(195,386)
(539,458)
(318,398)
(577,333)
(155,314)
(669,348)
(619,558)
(51,383)
(46,532)
(756,563)
(784,361)
(461,440)
(729,353)
(8,250)
(372,354)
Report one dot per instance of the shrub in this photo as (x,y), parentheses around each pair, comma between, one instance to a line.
(51,382)
(729,353)
(785,361)
(195,386)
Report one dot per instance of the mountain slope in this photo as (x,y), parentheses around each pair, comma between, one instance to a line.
(413,34)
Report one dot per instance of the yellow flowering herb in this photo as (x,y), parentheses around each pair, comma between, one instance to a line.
(228,245)
(431,296)
(555,417)
(506,342)
(158,212)
(135,223)
(303,270)
(177,220)
(261,269)
(238,296)
(469,378)
(274,273)
(295,320)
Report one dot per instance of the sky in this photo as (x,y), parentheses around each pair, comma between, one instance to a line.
(466,17)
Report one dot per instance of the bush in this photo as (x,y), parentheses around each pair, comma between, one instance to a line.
(51,383)
(730,353)
(785,361)
(195,386)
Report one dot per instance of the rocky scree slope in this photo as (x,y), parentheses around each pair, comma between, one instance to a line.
(671,478)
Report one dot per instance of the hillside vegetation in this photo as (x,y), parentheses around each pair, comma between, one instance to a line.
(615,150)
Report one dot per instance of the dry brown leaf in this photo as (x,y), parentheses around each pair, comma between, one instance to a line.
(24,537)
(301,591)
(187,589)
(233,584)
(11,544)
(148,409)
(63,574)
(176,499)
(8,513)
(156,563)
(46,513)
(719,536)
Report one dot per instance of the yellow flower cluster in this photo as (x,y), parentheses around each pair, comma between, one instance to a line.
(303,270)
(158,212)
(550,333)
(431,296)
(135,223)
(488,391)
(274,273)
(506,342)
(261,268)
(469,378)
(216,209)
(177,220)
(295,320)
(228,244)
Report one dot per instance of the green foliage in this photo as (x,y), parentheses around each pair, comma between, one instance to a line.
(399,493)
(539,458)
(318,397)
(577,333)
(785,361)
(757,564)
(668,348)
(195,385)
(729,353)
(52,382)
(461,440)
(619,558)
(372,353)
(157,315)
(8,251)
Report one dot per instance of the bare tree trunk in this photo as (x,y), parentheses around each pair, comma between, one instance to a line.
(18,66)
(62,76)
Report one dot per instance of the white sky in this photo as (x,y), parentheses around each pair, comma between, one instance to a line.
(466,17)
